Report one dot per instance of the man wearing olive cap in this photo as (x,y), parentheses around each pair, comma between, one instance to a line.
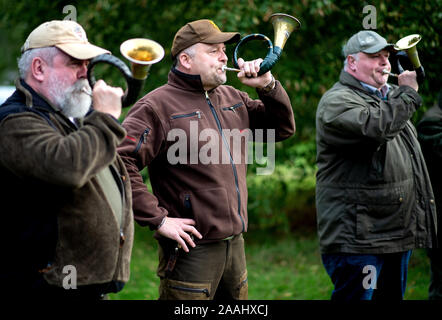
(68,221)
(373,194)
(199,208)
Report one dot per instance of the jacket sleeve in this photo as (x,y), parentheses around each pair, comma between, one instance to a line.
(31,148)
(345,117)
(273,110)
(430,131)
(144,141)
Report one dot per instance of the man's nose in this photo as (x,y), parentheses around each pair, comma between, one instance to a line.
(384,60)
(82,72)
(223,57)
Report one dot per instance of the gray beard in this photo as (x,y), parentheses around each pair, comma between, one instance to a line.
(72,101)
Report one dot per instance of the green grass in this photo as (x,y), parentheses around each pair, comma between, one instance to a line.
(279,267)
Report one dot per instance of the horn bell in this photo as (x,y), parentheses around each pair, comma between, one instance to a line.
(283,25)
(408,44)
(141,53)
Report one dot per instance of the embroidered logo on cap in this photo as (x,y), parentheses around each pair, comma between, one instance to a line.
(367,40)
(213,24)
(79,33)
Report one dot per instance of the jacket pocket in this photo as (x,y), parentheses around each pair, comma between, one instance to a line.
(182,290)
(187,206)
(243,288)
(192,114)
(381,213)
(210,209)
(142,140)
(378,222)
(233,108)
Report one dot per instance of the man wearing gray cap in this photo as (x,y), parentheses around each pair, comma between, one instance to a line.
(373,194)
(199,207)
(68,219)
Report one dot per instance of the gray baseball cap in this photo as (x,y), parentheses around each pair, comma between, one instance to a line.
(366,41)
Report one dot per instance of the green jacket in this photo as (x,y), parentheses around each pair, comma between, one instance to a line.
(430,136)
(57,184)
(373,193)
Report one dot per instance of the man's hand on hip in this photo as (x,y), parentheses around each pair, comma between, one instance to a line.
(179,229)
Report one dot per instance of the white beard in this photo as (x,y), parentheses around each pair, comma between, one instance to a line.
(72,101)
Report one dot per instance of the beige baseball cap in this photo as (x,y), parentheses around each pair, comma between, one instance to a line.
(204,31)
(67,36)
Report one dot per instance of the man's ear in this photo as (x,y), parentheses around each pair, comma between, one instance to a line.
(185,60)
(351,62)
(38,69)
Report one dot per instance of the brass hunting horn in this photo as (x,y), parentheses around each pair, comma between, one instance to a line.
(283,25)
(142,53)
(408,45)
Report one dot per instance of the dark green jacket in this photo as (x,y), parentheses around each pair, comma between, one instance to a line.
(55,206)
(430,136)
(373,193)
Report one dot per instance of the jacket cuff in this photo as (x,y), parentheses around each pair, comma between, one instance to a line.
(161,223)
(409,95)
(269,87)
(269,93)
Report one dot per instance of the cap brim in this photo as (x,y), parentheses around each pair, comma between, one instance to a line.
(81,51)
(222,37)
(379,47)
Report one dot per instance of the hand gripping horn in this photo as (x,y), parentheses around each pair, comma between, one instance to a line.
(283,25)
(142,53)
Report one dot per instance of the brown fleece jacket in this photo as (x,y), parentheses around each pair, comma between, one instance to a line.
(213,194)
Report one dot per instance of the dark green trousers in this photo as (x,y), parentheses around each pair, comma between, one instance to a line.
(212,271)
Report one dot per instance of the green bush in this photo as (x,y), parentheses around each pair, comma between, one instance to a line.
(285,199)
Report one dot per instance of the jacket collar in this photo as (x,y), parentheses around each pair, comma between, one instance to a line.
(348,80)
(381,93)
(33,99)
(185,81)
(28,96)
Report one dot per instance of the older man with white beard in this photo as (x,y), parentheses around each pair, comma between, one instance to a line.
(66,191)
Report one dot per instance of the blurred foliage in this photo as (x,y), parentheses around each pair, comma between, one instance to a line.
(310,64)
(284,199)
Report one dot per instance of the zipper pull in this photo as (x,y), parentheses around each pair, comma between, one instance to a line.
(172,260)
(207,95)
(187,201)
(198,113)
(122,238)
(146,132)
(233,109)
